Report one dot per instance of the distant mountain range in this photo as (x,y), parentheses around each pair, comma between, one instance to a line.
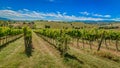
(1,18)
(94,22)
(86,21)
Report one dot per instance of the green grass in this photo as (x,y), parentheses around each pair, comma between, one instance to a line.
(13,56)
(8,54)
(94,61)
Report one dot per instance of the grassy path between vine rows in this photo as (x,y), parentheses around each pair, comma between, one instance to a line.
(94,48)
(44,55)
(86,55)
(91,61)
(11,55)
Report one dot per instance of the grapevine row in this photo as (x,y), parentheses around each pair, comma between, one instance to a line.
(8,34)
(28,41)
(57,37)
(91,35)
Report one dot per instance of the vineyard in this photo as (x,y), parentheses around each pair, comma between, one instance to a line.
(8,35)
(62,37)
(59,48)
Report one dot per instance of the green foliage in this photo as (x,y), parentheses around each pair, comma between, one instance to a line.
(90,35)
(5,31)
(28,41)
(60,36)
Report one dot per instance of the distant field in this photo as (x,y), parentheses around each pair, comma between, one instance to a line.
(63,25)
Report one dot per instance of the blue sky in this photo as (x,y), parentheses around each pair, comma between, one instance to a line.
(60,9)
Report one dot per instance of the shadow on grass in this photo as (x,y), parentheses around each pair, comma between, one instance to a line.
(4,45)
(68,56)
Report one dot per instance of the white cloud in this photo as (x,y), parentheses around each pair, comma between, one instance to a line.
(85,13)
(21,14)
(26,14)
(107,16)
(99,15)
(25,9)
(116,19)
(8,7)
(95,15)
